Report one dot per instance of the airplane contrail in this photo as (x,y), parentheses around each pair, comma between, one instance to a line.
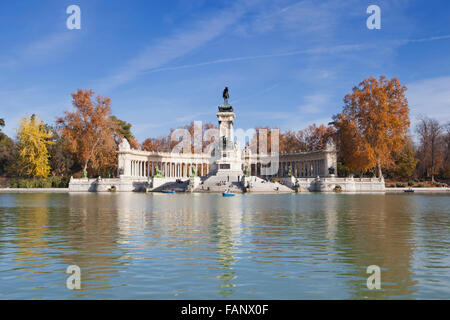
(336,49)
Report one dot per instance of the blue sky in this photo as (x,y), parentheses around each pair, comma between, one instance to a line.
(287,63)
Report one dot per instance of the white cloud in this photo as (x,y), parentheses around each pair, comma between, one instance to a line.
(303,17)
(28,101)
(39,50)
(430,97)
(314,104)
(179,44)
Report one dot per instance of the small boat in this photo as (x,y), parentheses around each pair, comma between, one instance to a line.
(168,191)
(228,194)
(409,191)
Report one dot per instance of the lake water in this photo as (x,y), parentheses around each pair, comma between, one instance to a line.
(205,246)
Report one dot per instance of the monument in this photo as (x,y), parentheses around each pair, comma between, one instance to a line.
(228,158)
(226,166)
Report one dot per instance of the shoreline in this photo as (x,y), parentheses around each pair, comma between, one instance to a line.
(34,190)
(66,190)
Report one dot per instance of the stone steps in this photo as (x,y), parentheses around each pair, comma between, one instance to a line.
(260,185)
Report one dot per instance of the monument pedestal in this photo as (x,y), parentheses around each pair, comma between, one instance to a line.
(229,161)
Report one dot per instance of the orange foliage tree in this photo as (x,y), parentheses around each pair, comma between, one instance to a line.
(312,138)
(165,143)
(90,131)
(373,124)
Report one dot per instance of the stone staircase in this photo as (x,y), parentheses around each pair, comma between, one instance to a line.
(178,187)
(219,184)
(260,185)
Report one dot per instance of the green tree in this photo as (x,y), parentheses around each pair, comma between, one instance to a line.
(406,161)
(124,131)
(124,128)
(7,151)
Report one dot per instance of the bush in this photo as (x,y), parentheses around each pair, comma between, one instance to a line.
(49,182)
(401,185)
(337,188)
(13,183)
(421,185)
(55,181)
(410,183)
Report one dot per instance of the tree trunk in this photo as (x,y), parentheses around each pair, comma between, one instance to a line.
(380,174)
(85,169)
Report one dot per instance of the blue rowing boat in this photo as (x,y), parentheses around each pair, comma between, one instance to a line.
(228,194)
(409,191)
(168,191)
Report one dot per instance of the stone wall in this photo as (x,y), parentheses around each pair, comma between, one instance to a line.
(107,185)
(328,184)
(128,184)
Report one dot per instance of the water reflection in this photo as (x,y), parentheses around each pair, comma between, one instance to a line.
(197,246)
(31,240)
(228,240)
(378,230)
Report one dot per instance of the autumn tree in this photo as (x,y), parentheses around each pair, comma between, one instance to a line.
(261,142)
(166,144)
(91,132)
(312,138)
(316,137)
(61,162)
(373,124)
(33,139)
(429,132)
(445,170)
(291,142)
(196,133)
(161,144)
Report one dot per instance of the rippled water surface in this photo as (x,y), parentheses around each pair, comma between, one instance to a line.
(204,246)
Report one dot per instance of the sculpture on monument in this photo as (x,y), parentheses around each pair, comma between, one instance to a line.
(246,171)
(158,173)
(124,145)
(225,107)
(226,95)
(193,172)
